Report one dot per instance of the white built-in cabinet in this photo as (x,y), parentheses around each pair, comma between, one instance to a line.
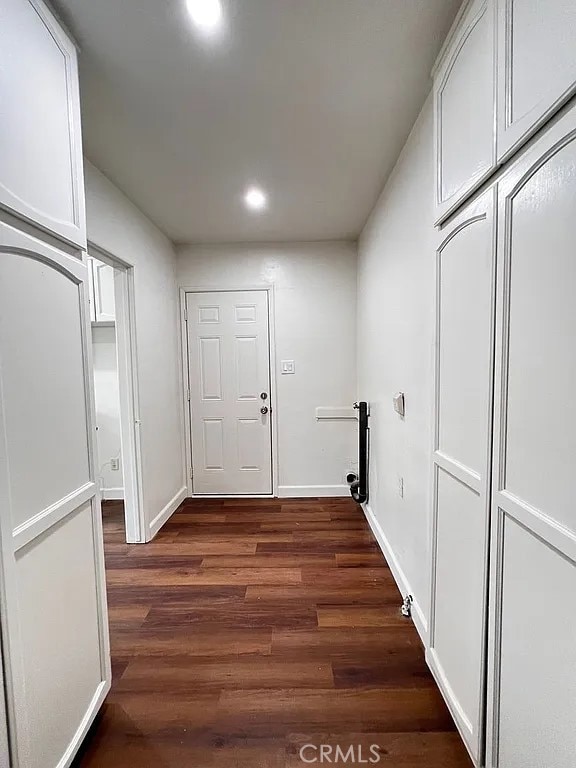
(464,107)
(532,642)
(502,633)
(461,459)
(536,41)
(41,178)
(101,286)
(53,613)
(506,68)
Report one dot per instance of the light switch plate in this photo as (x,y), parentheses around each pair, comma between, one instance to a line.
(398,400)
(287,366)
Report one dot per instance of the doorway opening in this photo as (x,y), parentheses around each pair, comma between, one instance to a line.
(118,462)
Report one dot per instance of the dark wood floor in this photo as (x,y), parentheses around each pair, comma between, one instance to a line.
(247,629)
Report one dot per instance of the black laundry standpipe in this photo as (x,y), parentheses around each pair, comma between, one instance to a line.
(359,488)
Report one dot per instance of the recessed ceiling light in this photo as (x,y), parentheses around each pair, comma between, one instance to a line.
(255,199)
(206,14)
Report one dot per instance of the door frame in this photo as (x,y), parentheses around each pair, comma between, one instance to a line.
(126,350)
(188,462)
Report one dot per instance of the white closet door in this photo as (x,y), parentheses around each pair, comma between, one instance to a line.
(536,66)
(532,680)
(229,380)
(54,621)
(461,463)
(41,175)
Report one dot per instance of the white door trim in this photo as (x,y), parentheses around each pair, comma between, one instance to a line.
(273,399)
(130,438)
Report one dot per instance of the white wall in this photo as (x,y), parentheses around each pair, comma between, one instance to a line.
(395,332)
(118,227)
(107,399)
(315,325)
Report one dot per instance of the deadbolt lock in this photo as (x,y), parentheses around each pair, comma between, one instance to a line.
(263,395)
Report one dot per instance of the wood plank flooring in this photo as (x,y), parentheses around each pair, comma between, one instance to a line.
(250,628)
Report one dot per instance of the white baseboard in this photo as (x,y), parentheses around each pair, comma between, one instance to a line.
(112,494)
(167,512)
(420,621)
(95,705)
(230,496)
(458,715)
(310,491)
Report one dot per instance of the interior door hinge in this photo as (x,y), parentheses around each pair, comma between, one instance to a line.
(191,472)
(185,315)
(188,395)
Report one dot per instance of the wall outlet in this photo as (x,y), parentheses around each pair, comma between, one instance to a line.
(115,464)
(401,487)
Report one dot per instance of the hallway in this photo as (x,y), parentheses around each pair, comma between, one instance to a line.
(249,628)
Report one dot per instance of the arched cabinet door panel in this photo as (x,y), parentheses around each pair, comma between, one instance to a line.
(461,462)
(54,620)
(532,648)
(41,176)
(464,96)
(536,66)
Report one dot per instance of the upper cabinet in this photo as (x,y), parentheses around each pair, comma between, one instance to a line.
(506,68)
(536,66)
(41,179)
(464,99)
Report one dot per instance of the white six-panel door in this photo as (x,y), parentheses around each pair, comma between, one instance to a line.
(532,680)
(228,343)
(461,463)
(54,619)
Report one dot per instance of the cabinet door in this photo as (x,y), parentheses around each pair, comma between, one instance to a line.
(54,621)
(41,177)
(464,108)
(536,65)
(532,641)
(103,286)
(461,464)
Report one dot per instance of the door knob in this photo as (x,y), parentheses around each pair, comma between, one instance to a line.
(264,410)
